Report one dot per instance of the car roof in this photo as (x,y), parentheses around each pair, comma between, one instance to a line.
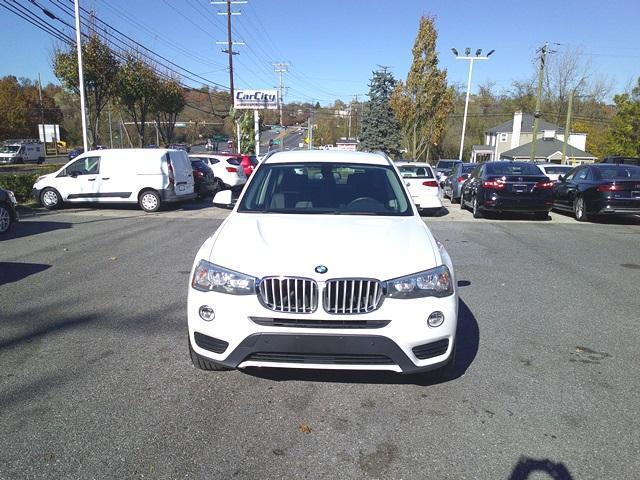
(302,156)
(410,164)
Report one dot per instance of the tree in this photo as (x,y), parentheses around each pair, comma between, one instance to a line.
(424,102)
(100,70)
(247,132)
(138,86)
(168,103)
(21,110)
(624,135)
(380,129)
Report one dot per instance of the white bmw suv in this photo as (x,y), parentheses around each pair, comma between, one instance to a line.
(342,273)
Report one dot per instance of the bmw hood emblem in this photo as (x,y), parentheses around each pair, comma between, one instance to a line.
(321,269)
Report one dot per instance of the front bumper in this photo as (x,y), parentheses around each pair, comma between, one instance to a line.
(235,339)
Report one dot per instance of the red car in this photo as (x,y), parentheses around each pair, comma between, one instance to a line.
(248,163)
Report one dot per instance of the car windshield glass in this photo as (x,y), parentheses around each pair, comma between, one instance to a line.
(233,161)
(446,164)
(415,171)
(504,168)
(326,188)
(619,172)
(467,169)
(559,169)
(9,149)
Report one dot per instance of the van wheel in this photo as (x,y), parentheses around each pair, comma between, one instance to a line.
(149,201)
(50,199)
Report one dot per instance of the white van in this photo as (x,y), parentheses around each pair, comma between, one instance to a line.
(22,151)
(148,177)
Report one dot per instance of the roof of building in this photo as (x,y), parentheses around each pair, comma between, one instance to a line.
(545,149)
(527,125)
(328,156)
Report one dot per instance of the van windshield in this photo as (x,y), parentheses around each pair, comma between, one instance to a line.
(326,188)
(9,149)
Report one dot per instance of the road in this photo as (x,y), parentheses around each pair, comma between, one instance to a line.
(96,381)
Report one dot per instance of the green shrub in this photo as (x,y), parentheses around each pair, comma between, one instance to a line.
(22,183)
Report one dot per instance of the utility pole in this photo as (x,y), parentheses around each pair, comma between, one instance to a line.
(110,127)
(567,127)
(83,111)
(536,114)
(467,56)
(349,134)
(310,129)
(281,67)
(44,138)
(230,43)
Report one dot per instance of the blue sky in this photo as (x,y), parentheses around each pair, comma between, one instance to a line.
(333,46)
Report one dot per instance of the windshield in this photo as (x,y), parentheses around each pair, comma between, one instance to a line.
(9,149)
(618,172)
(233,161)
(326,188)
(508,168)
(559,169)
(415,171)
(467,169)
(445,164)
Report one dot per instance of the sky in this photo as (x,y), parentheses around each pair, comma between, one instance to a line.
(332,46)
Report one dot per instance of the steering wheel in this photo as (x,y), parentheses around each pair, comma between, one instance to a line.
(365,204)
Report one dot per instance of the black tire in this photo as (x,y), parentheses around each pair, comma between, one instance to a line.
(541,215)
(149,201)
(580,210)
(462,205)
(202,363)
(218,186)
(50,198)
(6,220)
(453,199)
(476,208)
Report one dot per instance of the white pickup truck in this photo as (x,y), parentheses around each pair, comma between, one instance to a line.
(22,152)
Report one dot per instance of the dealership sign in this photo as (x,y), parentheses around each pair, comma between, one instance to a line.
(256,99)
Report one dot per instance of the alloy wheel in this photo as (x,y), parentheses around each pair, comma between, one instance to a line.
(5,220)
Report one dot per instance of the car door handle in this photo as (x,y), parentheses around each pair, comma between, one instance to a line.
(91,179)
(106,178)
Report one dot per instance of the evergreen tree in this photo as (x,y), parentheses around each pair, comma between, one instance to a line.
(380,129)
(624,136)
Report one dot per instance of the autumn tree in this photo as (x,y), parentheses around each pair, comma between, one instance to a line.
(137,88)
(100,70)
(21,110)
(423,103)
(169,101)
(380,128)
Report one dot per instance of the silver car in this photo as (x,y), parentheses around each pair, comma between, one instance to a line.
(453,183)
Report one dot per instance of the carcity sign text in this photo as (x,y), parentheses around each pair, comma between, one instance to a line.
(256,99)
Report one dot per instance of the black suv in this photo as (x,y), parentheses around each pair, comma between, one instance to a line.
(8,214)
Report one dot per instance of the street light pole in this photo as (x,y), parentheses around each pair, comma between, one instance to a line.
(83,111)
(471,59)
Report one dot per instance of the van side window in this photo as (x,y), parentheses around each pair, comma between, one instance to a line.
(84,166)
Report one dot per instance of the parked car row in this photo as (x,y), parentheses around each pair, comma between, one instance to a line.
(423,186)
(586,191)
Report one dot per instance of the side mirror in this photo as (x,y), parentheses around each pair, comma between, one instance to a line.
(224,199)
(561,178)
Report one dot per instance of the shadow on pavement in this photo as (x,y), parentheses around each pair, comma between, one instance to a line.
(434,212)
(531,467)
(604,219)
(467,344)
(13,272)
(34,227)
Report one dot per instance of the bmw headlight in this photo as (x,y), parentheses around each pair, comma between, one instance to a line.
(435,282)
(208,277)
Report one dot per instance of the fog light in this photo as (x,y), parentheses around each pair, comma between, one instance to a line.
(207,313)
(435,319)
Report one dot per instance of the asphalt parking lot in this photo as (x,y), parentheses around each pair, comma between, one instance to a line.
(96,381)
